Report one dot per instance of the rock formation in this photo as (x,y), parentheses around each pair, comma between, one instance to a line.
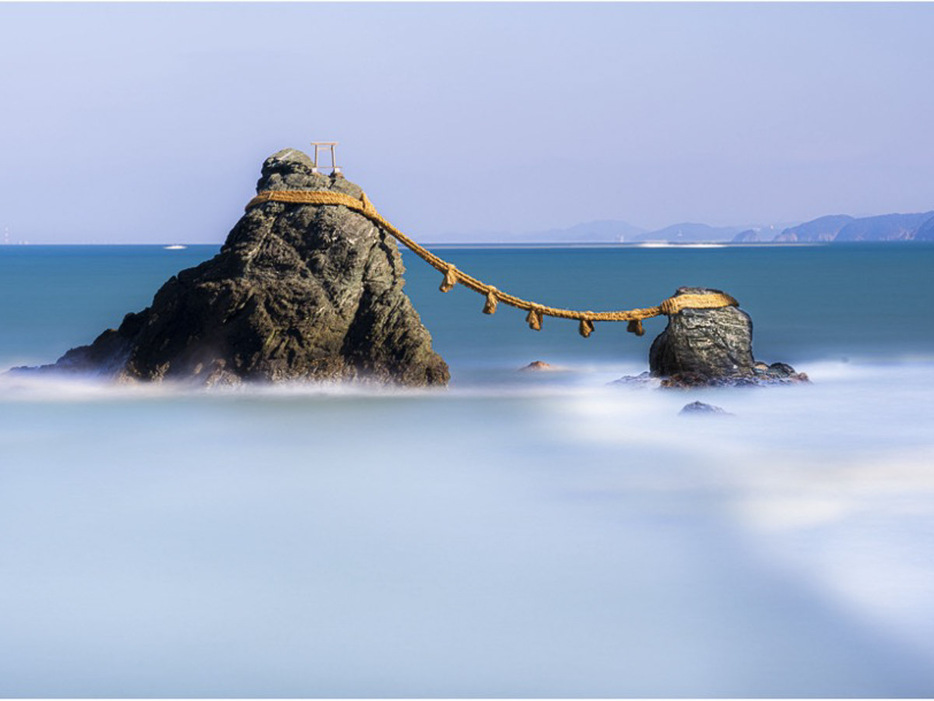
(702,347)
(702,409)
(296,292)
(538,366)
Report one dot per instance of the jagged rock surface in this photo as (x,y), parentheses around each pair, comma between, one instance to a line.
(705,347)
(297,292)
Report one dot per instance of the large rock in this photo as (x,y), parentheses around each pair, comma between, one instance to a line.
(297,292)
(711,347)
(705,341)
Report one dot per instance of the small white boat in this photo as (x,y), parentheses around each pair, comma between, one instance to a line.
(175,247)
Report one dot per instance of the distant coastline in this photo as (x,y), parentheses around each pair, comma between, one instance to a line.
(532,245)
(834,228)
(504,245)
(831,229)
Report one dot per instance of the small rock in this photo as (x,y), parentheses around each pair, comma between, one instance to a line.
(778,374)
(782,369)
(699,408)
(539,366)
(644,379)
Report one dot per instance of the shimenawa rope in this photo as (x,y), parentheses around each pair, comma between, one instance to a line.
(452,276)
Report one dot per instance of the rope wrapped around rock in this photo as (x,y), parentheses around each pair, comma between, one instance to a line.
(452,276)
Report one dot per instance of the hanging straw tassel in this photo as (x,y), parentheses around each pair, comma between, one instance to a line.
(491,301)
(585,328)
(534,319)
(450,279)
(635,326)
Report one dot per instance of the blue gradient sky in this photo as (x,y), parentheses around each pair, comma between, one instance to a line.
(149,122)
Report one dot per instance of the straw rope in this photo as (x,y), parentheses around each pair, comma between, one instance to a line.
(453,276)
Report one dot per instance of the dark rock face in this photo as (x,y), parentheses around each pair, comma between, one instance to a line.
(713,342)
(297,292)
(711,347)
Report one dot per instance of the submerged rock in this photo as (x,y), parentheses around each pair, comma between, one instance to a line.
(702,409)
(297,292)
(640,381)
(538,366)
(712,347)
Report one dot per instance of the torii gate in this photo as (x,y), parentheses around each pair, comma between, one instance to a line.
(335,169)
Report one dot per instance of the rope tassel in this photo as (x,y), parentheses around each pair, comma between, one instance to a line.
(635,326)
(534,319)
(450,279)
(585,328)
(491,301)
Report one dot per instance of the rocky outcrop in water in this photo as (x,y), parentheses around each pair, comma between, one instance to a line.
(703,409)
(539,366)
(296,292)
(711,347)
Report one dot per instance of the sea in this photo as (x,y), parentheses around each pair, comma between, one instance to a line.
(517,534)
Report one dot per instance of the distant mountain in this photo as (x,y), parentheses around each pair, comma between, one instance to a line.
(833,227)
(926,231)
(597,231)
(688,232)
(888,227)
(748,236)
(603,231)
(820,229)
(756,235)
(843,228)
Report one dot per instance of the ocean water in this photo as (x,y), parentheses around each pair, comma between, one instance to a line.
(516,535)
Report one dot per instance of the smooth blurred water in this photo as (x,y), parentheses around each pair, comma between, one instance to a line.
(516,535)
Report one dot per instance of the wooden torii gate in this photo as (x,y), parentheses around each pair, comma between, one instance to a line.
(326,145)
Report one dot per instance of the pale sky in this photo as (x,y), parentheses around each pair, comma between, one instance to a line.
(149,122)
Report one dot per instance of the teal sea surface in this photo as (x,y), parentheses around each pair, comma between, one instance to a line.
(808,303)
(515,535)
